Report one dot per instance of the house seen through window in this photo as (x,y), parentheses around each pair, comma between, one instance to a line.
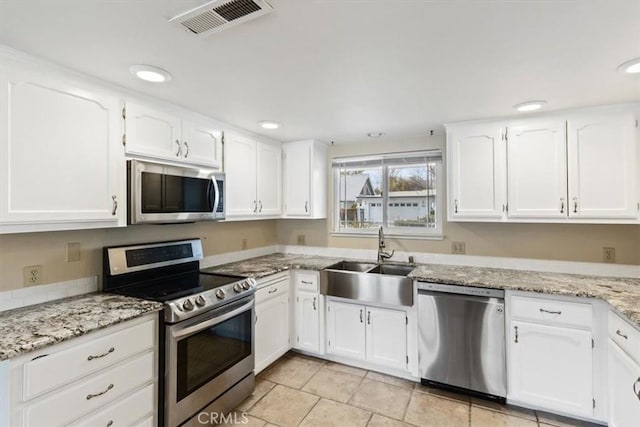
(399,191)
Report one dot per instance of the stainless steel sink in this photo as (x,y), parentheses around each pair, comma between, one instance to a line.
(368,282)
(391,269)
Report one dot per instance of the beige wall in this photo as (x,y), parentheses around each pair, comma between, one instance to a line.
(567,242)
(48,249)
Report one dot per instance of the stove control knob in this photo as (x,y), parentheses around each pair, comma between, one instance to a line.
(187,305)
(237,288)
(200,301)
(246,286)
(220,294)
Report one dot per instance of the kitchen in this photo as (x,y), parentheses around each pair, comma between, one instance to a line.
(421,213)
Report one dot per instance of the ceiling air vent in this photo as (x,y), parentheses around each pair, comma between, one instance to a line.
(218,15)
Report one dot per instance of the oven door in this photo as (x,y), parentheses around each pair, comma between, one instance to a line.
(205,356)
(161,193)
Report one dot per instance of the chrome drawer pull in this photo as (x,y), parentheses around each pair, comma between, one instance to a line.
(636,392)
(618,332)
(304,282)
(110,423)
(542,310)
(273,290)
(91,396)
(111,350)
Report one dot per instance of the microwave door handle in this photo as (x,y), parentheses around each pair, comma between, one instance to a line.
(210,196)
(216,197)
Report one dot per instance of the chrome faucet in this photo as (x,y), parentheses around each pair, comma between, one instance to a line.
(382,255)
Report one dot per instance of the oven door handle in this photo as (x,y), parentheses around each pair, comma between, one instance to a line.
(190,330)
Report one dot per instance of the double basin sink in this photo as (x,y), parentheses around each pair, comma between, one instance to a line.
(368,282)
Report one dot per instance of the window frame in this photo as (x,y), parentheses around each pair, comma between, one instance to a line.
(426,233)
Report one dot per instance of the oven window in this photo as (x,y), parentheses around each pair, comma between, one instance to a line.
(207,354)
(170,194)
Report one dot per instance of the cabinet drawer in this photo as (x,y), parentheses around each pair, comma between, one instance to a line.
(552,311)
(92,394)
(625,335)
(53,370)
(272,291)
(124,412)
(306,281)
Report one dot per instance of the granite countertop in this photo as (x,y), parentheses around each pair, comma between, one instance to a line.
(30,328)
(623,294)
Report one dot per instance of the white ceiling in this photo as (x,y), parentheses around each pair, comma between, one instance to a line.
(335,70)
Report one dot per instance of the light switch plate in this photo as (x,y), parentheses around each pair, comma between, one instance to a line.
(457,248)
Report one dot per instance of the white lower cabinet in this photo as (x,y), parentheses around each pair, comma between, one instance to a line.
(359,332)
(115,385)
(307,315)
(272,322)
(624,388)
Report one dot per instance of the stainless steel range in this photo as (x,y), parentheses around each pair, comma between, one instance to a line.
(208,327)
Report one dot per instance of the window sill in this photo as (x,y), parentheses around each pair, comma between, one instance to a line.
(389,235)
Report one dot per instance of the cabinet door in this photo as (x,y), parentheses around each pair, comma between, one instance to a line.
(297,180)
(624,388)
(537,170)
(240,169)
(551,367)
(201,144)
(152,132)
(272,331)
(602,166)
(308,322)
(61,154)
(386,337)
(269,179)
(476,172)
(346,330)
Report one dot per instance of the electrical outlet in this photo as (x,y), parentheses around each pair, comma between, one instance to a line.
(73,252)
(244,244)
(32,275)
(301,239)
(609,255)
(457,248)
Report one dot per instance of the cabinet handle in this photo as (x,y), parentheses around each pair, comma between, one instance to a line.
(619,333)
(273,290)
(306,206)
(314,303)
(561,204)
(91,396)
(306,283)
(516,328)
(115,204)
(368,318)
(256,321)
(455,206)
(542,310)
(110,423)
(636,392)
(575,205)
(361,316)
(111,350)
(186,154)
(179,152)
(255,206)
(260,209)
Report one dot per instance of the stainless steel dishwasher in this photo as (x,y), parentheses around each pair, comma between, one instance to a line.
(462,339)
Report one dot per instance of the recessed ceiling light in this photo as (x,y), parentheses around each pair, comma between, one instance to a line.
(269,125)
(375,134)
(631,67)
(149,73)
(530,105)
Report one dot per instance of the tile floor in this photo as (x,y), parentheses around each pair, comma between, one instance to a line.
(304,391)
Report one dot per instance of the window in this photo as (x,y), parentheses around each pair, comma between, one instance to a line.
(399,191)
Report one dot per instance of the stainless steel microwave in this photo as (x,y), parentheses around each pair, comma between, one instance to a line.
(160,194)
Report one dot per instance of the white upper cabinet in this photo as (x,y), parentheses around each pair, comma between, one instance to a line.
(573,167)
(603,160)
(253,177)
(537,170)
(61,156)
(159,133)
(476,161)
(305,179)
